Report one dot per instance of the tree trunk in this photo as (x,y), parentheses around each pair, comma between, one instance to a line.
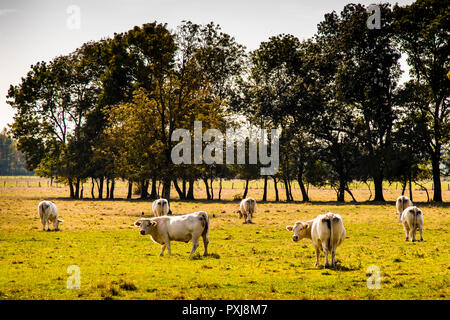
(246,189)
(286,189)
(144,189)
(166,188)
(180,192)
(410,187)
(212,188)
(77,188)
(100,187)
(208,195)
(92,188)
(154,193)
(111,192)
(130,189)
(184,188)
(277,198)
(190,193)
(264,198)
(220,189)
(378,182)
(437,192)
(81,192)
(72,193)
(404,186)
(341,191)
(107,188)
(305,197)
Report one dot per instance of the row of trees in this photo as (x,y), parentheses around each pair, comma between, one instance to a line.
(108,110)
(12,162)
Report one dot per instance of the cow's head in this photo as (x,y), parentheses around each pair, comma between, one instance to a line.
(238,211)
(299,230)
(146,225)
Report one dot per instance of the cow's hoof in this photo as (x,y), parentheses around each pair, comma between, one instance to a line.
(245,222)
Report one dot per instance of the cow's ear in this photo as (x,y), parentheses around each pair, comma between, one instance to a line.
(153,223)
(289,228)
(137,223)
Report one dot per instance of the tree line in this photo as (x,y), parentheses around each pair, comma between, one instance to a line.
(107,110)
(12,162)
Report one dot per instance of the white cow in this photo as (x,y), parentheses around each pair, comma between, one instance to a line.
(401,204)
(160,207)
(184,228)
(247,208)
(412,219)
(326,231)
(48,213)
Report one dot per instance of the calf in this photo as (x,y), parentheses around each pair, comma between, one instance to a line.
(160,207)
(184,228)
(412,219)
(48,213)
(326,231)
(401,204)
(246,209)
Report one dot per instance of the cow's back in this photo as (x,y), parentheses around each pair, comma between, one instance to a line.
(48,210)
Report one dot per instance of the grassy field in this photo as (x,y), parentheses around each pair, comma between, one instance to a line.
(256,261)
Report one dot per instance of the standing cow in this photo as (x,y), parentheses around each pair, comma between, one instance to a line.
(326,231)
(247,208)
(412,219)
(184,228)
(48,213)
(160,207)
(401,204)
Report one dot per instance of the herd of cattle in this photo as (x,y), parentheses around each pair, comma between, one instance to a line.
(326,231)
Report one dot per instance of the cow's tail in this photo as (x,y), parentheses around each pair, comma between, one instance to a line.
(205,218)
(327,220)
(415,219)
(43,206)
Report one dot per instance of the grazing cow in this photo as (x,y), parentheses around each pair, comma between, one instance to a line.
(48,213)
(247,208)
(326,231)
(160,207)
(412,219)
(401,204)
(184,228)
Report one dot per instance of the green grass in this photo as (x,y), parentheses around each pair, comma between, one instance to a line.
(256,261)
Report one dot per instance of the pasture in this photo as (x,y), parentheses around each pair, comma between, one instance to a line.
(258,261)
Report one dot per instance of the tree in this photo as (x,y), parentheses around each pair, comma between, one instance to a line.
(366,76)
(421,30)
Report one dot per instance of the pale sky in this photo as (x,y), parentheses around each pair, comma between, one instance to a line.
(36,30)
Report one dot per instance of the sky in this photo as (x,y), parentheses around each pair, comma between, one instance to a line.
(39,30)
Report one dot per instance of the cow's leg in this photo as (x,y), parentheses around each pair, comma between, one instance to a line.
(245,218)
(412,234)
(43,223)
(250,217)
(325,252)
(420,230)
(163,247)
(317,257)
(194,244)
(406,233)
(205,244)
(333,257)
(168,248)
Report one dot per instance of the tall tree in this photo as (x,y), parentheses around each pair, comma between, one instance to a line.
(422,30)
